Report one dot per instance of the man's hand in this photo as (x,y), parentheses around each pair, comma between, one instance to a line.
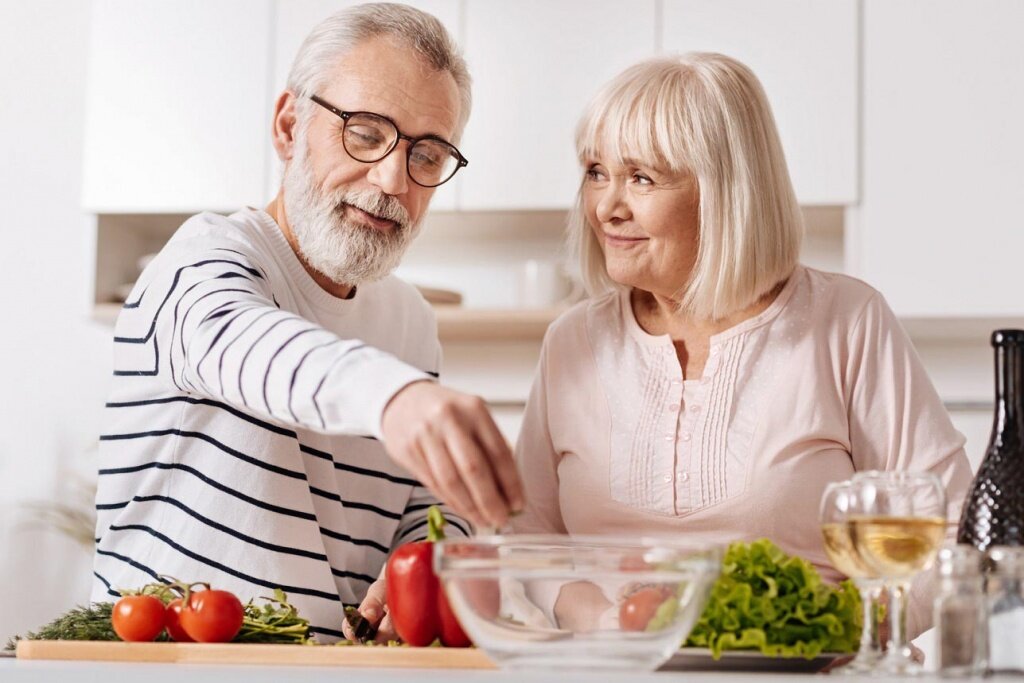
(375,610)
(449,442)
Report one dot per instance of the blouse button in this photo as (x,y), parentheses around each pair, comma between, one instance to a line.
(684,476)
(669,437)
(694,409)
(676,382)
(685,437)
(668,477)
(674,406)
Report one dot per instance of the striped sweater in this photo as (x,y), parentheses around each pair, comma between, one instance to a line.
(241,443)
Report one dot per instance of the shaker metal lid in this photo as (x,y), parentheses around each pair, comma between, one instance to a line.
(1006,559)
(960,560)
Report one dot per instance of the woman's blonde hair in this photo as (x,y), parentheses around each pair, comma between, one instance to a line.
(705,114)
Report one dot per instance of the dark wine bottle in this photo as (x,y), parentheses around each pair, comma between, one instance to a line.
(993,513)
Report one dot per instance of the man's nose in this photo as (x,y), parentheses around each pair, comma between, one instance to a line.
(389,174)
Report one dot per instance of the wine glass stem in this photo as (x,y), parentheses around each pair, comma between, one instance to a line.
(898,648)
(870,594)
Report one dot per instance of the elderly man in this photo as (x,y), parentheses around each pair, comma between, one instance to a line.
(274,420)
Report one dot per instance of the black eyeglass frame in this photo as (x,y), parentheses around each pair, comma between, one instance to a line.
(346,115)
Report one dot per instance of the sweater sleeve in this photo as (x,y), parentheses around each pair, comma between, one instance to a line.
(898,422)
(413,525)
(215,330)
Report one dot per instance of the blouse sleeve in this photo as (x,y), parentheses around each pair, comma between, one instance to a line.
(898,422)
(538,461)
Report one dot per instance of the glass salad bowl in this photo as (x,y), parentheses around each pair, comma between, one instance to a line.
(572,602)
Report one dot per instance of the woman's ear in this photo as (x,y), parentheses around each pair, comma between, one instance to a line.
(283,128)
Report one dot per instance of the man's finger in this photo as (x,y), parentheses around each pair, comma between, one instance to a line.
(386,630)
(502,463)
(372,607)
(477,477)
(450,489)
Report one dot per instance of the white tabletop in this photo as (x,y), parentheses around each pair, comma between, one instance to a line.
(14,671)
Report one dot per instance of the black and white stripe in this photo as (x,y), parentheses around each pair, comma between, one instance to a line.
(241,444)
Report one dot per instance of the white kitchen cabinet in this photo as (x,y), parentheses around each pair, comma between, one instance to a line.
(293,22)
(535,65)
(940,230)
(805,53)
(177,105)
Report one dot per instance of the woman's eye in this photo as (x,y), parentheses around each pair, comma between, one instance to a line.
(641,179)
(594,173)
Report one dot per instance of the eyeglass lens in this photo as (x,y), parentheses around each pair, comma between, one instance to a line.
(369,138)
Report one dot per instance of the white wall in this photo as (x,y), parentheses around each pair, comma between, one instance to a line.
(53,364)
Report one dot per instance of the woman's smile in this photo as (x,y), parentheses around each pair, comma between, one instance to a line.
(621,241)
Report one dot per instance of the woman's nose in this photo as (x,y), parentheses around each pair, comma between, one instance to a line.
(612,205)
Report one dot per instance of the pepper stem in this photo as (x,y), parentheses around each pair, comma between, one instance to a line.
(435,524)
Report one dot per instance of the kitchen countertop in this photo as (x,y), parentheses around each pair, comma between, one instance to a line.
(15,671)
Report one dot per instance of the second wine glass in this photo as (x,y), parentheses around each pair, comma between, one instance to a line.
(898,527)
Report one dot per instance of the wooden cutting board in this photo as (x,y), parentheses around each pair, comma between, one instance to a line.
(240,653)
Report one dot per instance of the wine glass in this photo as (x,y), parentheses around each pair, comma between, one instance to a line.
(838,502)
(896,530)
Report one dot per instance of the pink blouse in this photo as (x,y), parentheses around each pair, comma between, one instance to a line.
(821,384)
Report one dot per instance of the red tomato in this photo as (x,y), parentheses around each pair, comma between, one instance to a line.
(212,616)
(636,611)
(172,620)
(138,618)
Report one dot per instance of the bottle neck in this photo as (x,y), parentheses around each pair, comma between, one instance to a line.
(1010,387)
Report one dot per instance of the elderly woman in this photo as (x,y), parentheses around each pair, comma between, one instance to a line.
(711,385)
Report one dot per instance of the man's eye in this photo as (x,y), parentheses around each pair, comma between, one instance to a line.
(425,160)
(364,136)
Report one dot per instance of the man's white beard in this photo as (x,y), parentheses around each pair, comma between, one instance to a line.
(345,251)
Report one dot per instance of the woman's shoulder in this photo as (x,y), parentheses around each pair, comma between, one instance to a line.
(568,326)
(841,295)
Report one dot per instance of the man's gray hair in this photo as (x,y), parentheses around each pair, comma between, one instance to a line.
(333,37)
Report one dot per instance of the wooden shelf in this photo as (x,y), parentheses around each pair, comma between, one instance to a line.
(454,323)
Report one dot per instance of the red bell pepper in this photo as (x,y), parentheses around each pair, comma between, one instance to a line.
(418,607)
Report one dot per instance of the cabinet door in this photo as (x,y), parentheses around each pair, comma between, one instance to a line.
(296,18)
(177,106)
(535,65)
(940,230)
(805,54)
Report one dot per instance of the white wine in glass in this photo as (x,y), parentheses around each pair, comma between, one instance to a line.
(896,531)
(897,547)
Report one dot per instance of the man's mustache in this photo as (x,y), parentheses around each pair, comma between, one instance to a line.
(378,205)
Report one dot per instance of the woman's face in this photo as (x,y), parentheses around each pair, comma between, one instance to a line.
(647,221)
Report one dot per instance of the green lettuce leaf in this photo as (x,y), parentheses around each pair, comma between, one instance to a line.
(778,604)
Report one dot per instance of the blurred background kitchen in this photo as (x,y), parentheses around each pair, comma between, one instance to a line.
(901,121)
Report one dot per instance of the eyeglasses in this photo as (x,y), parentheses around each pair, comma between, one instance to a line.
(369,137)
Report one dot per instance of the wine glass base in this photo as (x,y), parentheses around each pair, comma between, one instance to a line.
(898,665)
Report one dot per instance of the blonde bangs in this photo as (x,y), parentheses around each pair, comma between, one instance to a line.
(637,119)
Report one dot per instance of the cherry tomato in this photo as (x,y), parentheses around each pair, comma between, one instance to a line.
(138,618)
(638,609)
(212,616)
(172,621)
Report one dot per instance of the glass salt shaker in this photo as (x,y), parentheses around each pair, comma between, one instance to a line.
(961,613)
(1006,609)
